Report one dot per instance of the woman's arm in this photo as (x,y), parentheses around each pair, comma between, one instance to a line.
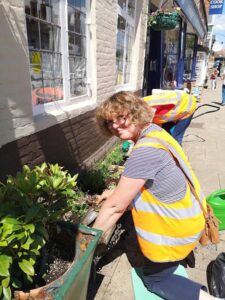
(116,204)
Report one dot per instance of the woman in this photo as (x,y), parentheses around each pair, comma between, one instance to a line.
(174,111)
(168,220)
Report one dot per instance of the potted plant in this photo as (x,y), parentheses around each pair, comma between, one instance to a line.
(32,204)
(164,19)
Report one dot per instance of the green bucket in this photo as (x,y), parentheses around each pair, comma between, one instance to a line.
(217,201)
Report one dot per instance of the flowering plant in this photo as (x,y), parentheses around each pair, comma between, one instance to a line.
(164,19)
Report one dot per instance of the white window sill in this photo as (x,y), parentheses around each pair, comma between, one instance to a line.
(125,87)
(59,112)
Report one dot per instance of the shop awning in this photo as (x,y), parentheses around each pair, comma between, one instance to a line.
(190,10)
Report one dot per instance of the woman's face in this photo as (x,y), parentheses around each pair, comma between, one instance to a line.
(122,127)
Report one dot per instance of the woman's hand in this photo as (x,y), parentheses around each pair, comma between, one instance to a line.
(116,204)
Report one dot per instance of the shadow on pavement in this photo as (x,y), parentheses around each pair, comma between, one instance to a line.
(127,243)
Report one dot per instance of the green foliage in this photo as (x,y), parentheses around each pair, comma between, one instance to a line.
(79,205)
(30,202)
(164,19)
(95,179)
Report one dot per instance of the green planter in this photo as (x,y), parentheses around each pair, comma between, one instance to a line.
(73,284)
(164,21)
(217,201)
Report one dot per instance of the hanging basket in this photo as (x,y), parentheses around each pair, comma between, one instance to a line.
(164,20)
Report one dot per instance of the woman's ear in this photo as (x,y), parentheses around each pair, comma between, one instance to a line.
(152,111)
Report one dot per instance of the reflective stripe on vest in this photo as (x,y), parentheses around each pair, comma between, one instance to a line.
(168,231)
(184,106)
(165,211)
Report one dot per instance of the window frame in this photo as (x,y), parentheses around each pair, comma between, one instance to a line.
(68,103)
(132,22)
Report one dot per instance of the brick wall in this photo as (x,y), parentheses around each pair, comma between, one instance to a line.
(70,144)
(106,21)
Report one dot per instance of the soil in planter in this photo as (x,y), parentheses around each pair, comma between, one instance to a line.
(58,255)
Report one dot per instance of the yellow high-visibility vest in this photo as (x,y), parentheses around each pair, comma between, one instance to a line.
(168,231)
(181,104)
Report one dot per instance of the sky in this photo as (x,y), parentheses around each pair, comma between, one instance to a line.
(219,28)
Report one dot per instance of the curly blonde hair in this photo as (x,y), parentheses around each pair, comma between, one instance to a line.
(123,102)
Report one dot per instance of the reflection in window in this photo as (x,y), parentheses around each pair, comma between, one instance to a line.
(170,58)
(43,30)
(77,47)
(189,54)
(124,41)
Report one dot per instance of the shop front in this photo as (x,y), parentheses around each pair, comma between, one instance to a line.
(171,55)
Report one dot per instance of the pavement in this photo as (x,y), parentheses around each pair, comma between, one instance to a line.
(204,144)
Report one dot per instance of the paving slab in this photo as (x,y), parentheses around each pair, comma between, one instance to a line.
(204,144)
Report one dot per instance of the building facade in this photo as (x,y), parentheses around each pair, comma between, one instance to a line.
(59,60)
(172,55)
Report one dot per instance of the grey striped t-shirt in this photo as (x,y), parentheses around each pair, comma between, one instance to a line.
(165,180)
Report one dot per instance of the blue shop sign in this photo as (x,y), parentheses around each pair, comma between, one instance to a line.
(190,10)
(216,7)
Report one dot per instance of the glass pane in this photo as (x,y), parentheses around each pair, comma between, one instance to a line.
(77,21)
(34,8)
(71,2)
(83,6)
(57,64)
(72,64)
(45,12)
(82,24)
(47,67)
(122,3)
(37,92)
(78,4)
(121,25)
(119,77)
(131,7)
(83,47)
(71,43)
(80,67)
(77,44)
(78,87)
(27,7)
(35,65)
(55,12)
(33,34)
(119,53)
(49,91)
(57,39)
(71,19)
(58,89)
(171,46)
(46,36)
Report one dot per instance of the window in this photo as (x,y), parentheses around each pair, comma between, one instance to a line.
(170,58)
(77,47)
(53,65)
(125,40)
(189,55)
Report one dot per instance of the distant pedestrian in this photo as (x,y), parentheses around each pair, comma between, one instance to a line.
(223,86)
(219,68)
(213,77)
